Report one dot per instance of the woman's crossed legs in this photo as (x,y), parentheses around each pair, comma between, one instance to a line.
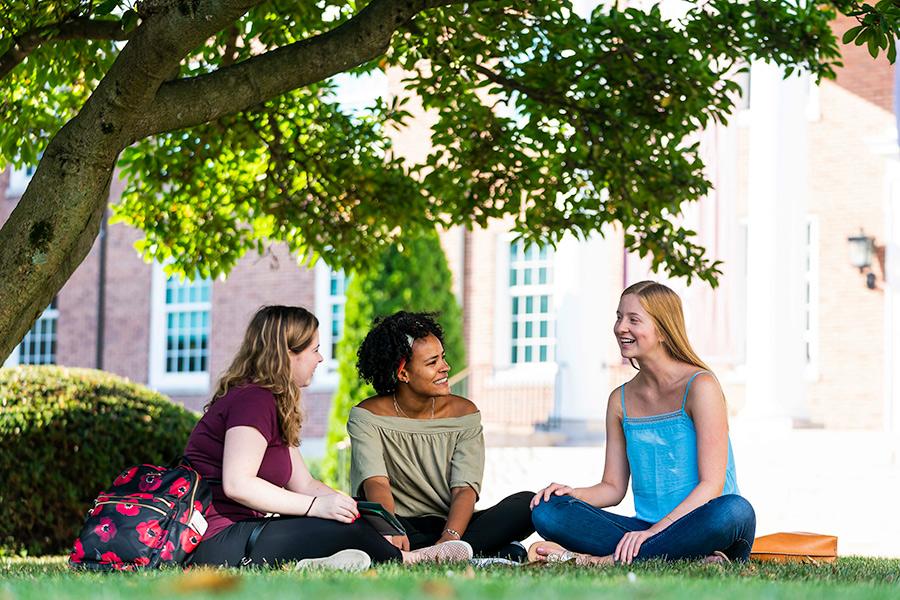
(726,524)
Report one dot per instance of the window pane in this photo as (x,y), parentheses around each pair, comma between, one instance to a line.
(188,325)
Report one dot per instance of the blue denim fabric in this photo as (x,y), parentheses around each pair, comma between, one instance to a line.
(726,523)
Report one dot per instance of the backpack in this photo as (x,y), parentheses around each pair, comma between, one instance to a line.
(150,517)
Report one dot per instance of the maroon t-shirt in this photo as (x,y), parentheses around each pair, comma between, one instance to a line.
(252,406)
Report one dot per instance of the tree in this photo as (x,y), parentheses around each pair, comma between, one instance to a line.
(220,115)
(412,275)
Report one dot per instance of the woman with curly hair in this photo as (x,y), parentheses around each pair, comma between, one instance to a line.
(247,446)
(419,450)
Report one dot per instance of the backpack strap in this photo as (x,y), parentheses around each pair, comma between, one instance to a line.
(251,541)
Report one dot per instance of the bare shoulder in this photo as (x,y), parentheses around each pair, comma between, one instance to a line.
(377,405)
(457,406)
(705,391)
(614,402)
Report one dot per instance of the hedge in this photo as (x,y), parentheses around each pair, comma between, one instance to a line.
(64,435)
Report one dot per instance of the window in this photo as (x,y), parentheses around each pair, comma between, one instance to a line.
(811,296)
(180,333)
(331,288)
(38,347)
(337,288)
(530,290)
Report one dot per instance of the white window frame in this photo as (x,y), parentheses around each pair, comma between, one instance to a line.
(811,249)
(50,313)
(506,373)
(159,379)
(326,376)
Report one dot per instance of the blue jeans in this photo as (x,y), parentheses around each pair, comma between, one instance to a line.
(726,523)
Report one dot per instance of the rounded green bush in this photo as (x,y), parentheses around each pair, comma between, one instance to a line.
(64,435)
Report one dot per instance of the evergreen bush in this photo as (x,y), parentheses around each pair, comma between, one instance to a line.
(64,435)
(414,276)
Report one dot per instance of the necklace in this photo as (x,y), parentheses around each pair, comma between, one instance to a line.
(400,412)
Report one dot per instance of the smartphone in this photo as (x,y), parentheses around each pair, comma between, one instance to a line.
(384,522)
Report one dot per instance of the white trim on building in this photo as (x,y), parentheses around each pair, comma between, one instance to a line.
(331,297)
(180,327)
(810,297)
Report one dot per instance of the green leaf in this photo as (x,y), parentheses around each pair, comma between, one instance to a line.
(106,7)
(129,19)
(851,34)
(873,46)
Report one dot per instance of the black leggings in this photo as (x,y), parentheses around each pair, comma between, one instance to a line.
(287,539)
(489,531)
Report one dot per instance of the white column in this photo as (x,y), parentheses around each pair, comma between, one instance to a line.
(892,295)
(584,316)
(776,220)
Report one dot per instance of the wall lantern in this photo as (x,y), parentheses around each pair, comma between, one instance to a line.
(862,249)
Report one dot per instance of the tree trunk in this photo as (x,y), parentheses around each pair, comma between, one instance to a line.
(50,232)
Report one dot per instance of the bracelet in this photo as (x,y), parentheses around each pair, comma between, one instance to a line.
(308,508)
(453,532)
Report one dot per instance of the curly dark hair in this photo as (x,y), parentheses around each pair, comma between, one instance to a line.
(387,344)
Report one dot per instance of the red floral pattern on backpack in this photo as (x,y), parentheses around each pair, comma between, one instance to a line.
(106,529)
(142,521)
(126,476)
(189,540)
(77,552)
(150,482)
(128,509)
(149,533)
(181,487)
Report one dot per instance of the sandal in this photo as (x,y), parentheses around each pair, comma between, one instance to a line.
(555,553)
(716,558)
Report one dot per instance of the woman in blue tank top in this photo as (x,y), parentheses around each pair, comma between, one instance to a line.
(666,429)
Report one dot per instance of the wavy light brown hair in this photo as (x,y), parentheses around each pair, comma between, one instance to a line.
(664,307)
(264,360)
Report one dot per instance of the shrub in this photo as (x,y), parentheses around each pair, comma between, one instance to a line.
(413,276)
(64,435)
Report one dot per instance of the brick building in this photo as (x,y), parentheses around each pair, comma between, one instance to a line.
(793,331)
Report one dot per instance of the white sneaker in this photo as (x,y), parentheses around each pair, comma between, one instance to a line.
(452,551)
(345,560)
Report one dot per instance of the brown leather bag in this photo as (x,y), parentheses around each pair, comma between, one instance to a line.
(802,547)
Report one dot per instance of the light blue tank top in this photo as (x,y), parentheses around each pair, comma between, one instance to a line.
(662,454)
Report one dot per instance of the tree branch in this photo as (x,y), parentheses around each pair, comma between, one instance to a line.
(191,101)
(80,28)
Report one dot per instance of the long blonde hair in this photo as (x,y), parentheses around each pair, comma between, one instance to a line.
(664,307)
(264,360)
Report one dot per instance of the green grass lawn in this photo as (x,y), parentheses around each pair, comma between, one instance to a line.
(851,577)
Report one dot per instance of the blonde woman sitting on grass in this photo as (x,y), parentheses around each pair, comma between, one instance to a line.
(666,429)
